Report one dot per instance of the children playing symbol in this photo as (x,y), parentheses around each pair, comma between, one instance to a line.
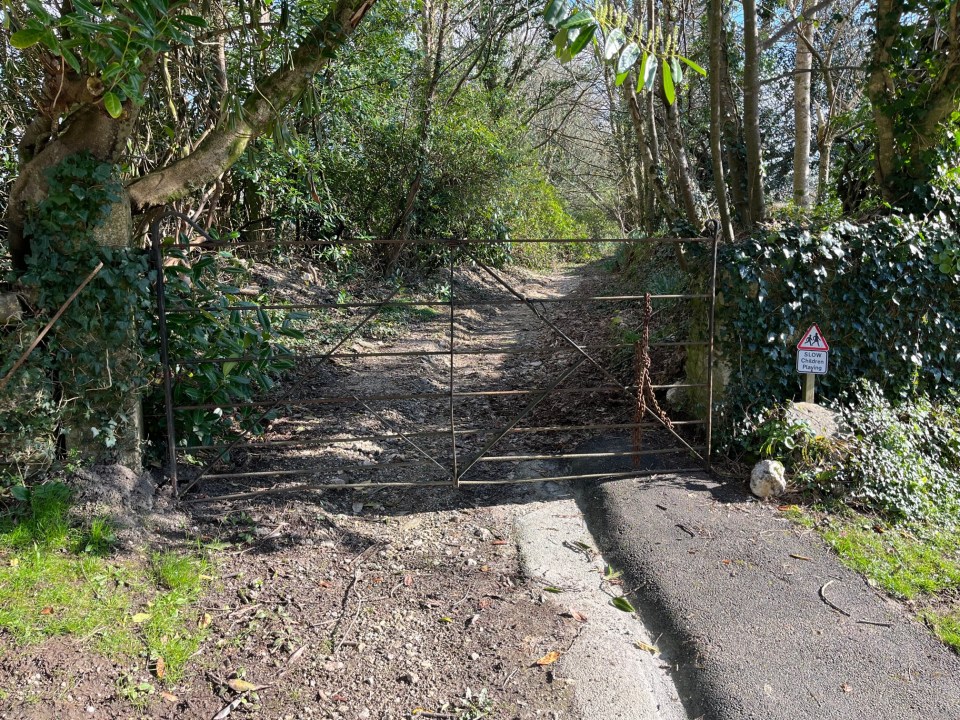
(813,339)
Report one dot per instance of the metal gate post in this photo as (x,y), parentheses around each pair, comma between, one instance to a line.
(165,354)
(711,329)
(455,474)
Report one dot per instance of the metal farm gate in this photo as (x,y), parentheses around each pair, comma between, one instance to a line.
(435,425)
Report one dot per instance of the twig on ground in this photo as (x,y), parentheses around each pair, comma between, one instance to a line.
(824,598)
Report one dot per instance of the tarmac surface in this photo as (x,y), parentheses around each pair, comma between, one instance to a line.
(764,621)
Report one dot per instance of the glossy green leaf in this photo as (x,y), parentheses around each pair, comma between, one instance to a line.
(676,71)
(583,38)
(628,58)
(621,603)
(555,11)
(669,91)
(112,104)
(692,65)
(578,19)
(22,39)
(650,73)
(613,43)
(642,72)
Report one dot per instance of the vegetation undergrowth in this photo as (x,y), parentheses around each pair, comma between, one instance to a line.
(61,579)
(884,495)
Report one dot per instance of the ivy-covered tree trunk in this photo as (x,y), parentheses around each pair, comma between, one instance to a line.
(803,64)
(914,91)
(94,126)
(751,112)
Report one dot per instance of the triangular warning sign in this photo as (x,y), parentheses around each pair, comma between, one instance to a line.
(813,339)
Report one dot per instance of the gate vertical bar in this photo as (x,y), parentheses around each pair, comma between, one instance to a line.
(165,354)
(710,350)
(453,428)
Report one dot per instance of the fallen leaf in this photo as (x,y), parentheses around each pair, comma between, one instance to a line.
(204,622)
(575,614)
(241,686)
(725,561)
(484,568)
(784,508)
(799,557)
(485,603)
(47,611)
(846,688)
(408,580)
(324,584)
(141,617)
(499,542)
(621,603)
(296,656)
(446,619)
(159,667)
(169,697)
(14,562)
(549,659)
(340,698)
(552,589)
(652,649)
(229,708)
(582,545)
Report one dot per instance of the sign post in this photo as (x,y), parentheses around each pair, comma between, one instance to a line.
(813,358)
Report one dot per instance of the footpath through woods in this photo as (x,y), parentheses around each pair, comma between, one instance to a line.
(497,601)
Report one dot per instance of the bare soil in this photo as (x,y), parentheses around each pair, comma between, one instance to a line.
(375,602)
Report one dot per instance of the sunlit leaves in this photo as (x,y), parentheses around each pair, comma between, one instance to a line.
(23,39)
(112,39)
(112,104)
(614,41)
(627,49)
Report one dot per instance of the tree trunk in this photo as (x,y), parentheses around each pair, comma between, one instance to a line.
(801,110)
(86,127)
(685,184)
(751,112)
(731,129)
(715,27)
(823,169)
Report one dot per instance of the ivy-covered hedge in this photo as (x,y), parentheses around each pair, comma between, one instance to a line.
(885,294)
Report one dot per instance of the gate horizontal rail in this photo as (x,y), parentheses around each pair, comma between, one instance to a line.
(420,444)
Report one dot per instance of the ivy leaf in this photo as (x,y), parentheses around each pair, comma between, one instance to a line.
(23,39)
(112,104)
(615,40)
(668,89)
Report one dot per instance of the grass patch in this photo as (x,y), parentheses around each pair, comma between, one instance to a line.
(946,626)
(919,563)
(901,562)
(56,579)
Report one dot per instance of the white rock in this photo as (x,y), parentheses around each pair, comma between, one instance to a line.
(766,479)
